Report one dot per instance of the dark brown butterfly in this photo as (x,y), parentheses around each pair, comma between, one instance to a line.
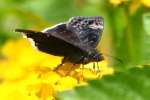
(75,39)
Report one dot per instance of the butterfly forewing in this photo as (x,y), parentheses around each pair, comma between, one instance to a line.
(88,30)
(60,31)
(79,32)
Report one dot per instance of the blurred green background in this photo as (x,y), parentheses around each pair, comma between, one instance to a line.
(126,34)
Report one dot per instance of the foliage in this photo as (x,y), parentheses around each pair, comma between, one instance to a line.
(130,85)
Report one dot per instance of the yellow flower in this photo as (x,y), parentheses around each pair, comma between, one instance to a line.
(146,3)
(100,70)
(28,74)
(66,83)
(116,2)
(134,6)
(23,53)
(14,92)
(42,91)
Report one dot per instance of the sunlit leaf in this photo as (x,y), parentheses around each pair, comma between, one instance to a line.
(146,42)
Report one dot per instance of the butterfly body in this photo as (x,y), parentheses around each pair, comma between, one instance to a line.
(76,39)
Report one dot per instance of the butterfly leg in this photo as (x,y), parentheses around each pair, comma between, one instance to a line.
(94,67)
(82,68)
(98,69)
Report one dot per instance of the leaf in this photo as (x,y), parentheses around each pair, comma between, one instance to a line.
(146,42)
(129,41)
(130,85)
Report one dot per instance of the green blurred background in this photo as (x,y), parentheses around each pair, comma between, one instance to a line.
(126,34)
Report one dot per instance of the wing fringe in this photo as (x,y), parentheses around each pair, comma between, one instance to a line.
(26,31)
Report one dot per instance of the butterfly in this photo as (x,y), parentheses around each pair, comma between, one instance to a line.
(76,39)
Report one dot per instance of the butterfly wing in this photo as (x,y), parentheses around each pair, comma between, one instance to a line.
(61,32)
(51,44)
(82,32)
(88,30)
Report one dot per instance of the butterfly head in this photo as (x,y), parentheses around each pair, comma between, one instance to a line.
(81,23)
(92,56)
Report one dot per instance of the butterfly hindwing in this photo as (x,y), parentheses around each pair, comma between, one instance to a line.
(51,44)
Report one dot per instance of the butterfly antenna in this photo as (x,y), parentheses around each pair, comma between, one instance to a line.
(94,66)
(116,58)
(98,68)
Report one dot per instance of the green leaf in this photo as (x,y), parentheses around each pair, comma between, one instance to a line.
(146,20)
(131,85)
(146,42)
(129,40)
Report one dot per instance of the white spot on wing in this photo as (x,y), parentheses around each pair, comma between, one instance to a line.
(30,40)
(94,26)
(24,36)
(32,43)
